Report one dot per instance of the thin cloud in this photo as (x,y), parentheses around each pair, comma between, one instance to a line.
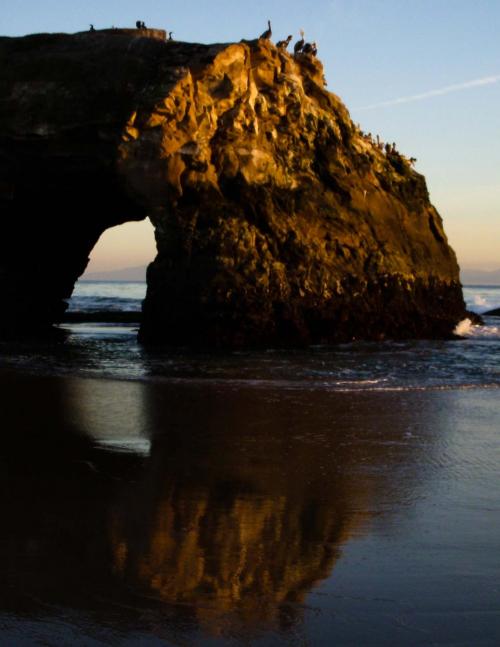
(487,80)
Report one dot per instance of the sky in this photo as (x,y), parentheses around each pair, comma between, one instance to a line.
(422,73)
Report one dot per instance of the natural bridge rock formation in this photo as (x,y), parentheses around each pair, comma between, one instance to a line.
(276,221)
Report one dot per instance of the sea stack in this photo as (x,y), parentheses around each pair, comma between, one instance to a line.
(277,222)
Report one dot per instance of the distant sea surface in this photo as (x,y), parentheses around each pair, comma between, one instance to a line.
(102,350)
(90,296)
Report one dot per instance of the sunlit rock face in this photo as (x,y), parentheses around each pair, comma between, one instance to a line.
(276,221)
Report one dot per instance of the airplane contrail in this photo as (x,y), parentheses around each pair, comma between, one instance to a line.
(487,80)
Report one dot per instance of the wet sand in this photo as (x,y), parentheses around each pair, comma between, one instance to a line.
(200,513)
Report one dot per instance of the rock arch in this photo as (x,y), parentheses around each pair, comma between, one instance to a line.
(276,220)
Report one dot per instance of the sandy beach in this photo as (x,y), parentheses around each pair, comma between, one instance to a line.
(195,512)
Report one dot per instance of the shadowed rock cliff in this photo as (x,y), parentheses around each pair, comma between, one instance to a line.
(276,221)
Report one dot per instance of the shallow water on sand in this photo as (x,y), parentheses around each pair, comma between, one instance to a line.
(161,513)
(111,350)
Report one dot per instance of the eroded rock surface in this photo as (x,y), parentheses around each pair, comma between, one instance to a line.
(276,221)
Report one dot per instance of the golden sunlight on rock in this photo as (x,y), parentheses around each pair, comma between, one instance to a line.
(264,195)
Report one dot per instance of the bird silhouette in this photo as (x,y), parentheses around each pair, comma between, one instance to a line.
(268,33)
(299,44)
(283,44)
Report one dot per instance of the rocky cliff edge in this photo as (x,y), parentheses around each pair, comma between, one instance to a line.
(277,221)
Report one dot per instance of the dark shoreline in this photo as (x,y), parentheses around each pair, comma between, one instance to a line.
(126,317)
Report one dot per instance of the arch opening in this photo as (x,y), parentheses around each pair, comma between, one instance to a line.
(113,286)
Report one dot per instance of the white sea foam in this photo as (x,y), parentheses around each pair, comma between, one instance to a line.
(467,329)
(485,332)
(464,328)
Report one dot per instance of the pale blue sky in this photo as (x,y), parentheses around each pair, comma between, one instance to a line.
(374,51)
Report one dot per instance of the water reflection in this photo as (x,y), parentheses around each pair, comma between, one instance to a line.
(242,505)
(56,487)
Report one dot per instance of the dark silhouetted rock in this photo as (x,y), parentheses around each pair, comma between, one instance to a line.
(276,221)
(475,318)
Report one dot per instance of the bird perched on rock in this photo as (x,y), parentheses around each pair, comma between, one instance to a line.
(283,44)
(268,33)
(307,49)
(91,28)
(299,44)
(314,50)
(170,35)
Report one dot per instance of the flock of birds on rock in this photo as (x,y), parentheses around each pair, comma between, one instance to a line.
(300,47)
(388,149)
(139,24)
(142,25)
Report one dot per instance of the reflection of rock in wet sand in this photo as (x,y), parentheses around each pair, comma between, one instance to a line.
(248,552)
(246,503)
(242,506)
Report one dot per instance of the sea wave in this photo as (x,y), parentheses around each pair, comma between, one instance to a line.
(355,386)
(110,351)
(376,367)
(89,296)
(467,329)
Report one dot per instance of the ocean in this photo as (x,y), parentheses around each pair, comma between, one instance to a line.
(342,495)
(111,351)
